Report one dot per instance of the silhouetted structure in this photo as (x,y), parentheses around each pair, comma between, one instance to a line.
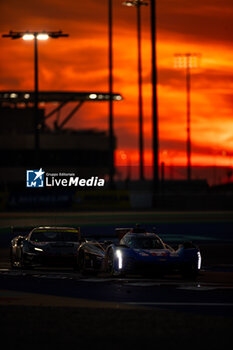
(85,152)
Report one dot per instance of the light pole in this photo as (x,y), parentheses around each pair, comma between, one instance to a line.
(110,87)
(187,61)
(30,35)
(155,136)
(138,4)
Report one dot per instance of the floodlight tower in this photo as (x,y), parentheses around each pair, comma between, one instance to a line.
(155,137)
(138,4)
(110,87)
(31,35)
(187,61)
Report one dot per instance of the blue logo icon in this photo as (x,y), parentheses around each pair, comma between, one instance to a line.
(35,178)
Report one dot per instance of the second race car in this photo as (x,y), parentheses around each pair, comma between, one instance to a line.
(138,252)
(45,246)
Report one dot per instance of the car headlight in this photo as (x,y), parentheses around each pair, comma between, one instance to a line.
(119,258)
(38,249)
(198,260)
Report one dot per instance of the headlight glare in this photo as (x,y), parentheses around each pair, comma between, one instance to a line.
(120,260)
(38,249)
(198,260)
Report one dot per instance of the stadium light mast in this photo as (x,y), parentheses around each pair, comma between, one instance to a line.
(32,35)
(155,136)
(155,141)
(138,4)
(110,87)
(187,61)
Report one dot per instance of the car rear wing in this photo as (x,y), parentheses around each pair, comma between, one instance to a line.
(25,230)
(121,231)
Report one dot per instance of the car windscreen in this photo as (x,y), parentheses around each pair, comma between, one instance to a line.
(54,236)
(145,243)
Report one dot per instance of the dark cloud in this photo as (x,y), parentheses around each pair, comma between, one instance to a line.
(203,20)
(180,146)
(221,77)
(75,16)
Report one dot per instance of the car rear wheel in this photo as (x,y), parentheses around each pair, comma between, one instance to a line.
(76,267)
(82,262)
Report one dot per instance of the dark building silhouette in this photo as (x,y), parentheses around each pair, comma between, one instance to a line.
(84,152)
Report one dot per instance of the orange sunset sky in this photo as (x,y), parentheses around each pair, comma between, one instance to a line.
(80,63)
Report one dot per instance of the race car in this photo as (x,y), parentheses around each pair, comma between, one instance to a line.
(140,252)
(45,246)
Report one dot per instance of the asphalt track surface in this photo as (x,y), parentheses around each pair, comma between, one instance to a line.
(211,293)
(172,292)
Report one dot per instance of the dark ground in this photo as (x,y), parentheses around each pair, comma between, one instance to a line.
(111,328)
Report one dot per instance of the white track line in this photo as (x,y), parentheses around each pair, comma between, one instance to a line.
(147,303)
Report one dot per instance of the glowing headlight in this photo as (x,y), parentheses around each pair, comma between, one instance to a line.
(119,257)
(39,249)
(198,260)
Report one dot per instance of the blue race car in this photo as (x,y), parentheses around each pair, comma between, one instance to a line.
(139,252)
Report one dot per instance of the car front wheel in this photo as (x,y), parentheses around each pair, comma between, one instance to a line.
(82,262)
(12,260)
(189,271)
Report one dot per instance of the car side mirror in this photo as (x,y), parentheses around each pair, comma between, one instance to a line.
(108,242)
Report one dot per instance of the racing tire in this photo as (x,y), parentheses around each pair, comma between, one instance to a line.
(75,267)
(23,264)
(81,266)
(189,272)
(12,261)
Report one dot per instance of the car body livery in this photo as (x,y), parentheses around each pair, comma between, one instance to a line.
(45,246)
(139,252)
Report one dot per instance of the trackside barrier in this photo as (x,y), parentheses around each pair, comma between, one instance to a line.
(101,200)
